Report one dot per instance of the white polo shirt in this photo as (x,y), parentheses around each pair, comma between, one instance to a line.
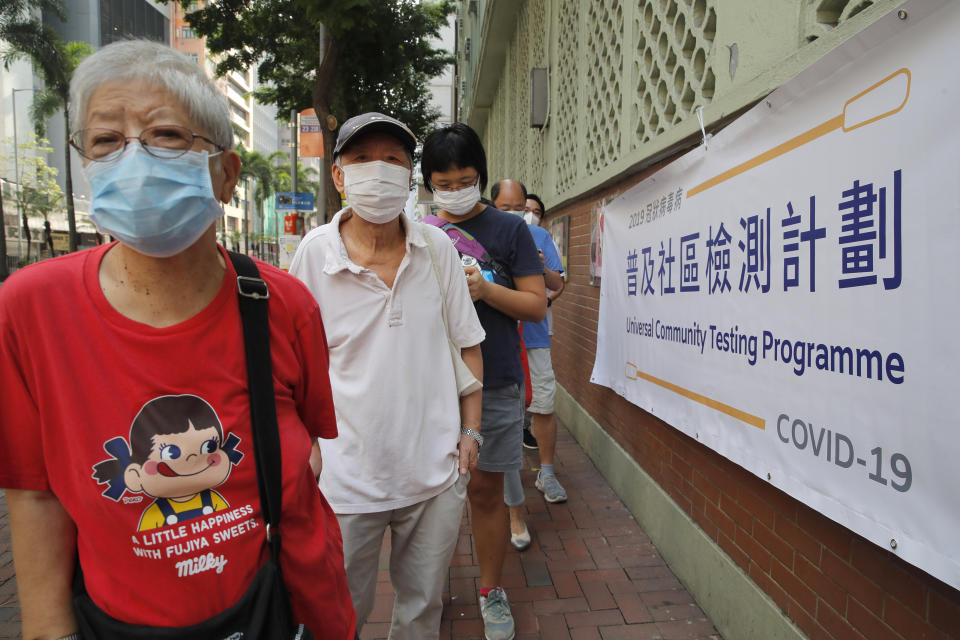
(398,412)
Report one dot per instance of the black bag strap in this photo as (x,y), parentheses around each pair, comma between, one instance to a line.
(253,295)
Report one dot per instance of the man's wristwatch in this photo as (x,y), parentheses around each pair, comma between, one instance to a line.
(467,431)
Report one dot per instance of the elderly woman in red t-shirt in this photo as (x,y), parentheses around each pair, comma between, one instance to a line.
(125,420)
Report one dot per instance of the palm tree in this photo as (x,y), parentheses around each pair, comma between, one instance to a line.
(54,61)
(254,166)
(267,185)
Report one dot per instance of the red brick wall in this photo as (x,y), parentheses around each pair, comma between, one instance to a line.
(831,582)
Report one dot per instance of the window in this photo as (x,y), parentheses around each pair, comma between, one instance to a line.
(239,112)
(236,87)
(131,19)
(186,33)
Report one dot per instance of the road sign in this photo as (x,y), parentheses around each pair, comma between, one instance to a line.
(289,201)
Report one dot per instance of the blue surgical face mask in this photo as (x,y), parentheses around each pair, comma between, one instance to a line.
(155,206)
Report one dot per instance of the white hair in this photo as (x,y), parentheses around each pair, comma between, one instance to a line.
(162,65)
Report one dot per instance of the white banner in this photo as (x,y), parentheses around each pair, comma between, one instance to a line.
(787,296)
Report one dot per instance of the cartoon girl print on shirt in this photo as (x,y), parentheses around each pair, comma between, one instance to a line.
(177,455)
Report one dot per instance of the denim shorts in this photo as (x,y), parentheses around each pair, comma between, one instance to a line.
(502,427)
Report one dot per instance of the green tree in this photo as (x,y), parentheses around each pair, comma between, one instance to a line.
(307,181)
(53,60)
(343,57)
(267,186)
(255,169)
(307,177)
(39,194)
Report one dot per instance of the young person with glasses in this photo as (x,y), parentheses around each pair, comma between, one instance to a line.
(506,287)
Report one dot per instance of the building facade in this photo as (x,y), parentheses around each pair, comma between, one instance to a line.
(16,86)
(582,99)
(239,215)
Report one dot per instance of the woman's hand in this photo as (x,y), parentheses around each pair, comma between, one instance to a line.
(469,454)
(477,283)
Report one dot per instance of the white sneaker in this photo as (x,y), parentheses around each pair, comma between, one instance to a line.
(497,619)
(552,490)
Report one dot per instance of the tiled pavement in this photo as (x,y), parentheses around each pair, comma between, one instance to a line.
(591,574)
(9,605)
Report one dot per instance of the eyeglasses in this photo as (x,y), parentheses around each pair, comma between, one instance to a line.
(458,187)
(165,141)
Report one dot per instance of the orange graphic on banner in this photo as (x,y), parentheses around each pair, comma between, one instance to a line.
(634,373)
(871,104)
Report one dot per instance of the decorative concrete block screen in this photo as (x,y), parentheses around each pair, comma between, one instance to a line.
(626,77)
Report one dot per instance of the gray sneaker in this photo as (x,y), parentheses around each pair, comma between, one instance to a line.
(552,490)
(497,619)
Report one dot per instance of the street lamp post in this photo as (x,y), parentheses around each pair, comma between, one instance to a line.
(16,173)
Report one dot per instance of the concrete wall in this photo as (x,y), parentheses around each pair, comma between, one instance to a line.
(626,77)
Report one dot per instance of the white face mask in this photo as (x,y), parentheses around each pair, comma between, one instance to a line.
(531,218)
(376,191)
(458,203)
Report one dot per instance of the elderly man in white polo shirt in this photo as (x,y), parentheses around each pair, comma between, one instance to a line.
(406,439)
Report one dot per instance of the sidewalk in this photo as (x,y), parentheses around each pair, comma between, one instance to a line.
(591,574)
(9,605)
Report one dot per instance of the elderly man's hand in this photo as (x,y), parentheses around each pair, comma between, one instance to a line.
(476,282)
(469,453)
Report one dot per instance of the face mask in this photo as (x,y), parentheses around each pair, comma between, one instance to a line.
(531,218)
(458,203)
(515,212)
(377,190)
(155,206)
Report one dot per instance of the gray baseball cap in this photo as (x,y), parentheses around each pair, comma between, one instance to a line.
(373,121)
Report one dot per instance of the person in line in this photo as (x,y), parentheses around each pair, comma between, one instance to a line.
(506,286)
(406,440)
(512,195)
(508,196)
(123,381)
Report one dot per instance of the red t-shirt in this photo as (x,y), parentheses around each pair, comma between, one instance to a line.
(144,436)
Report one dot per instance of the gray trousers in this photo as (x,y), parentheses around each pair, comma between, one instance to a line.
(423,537)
